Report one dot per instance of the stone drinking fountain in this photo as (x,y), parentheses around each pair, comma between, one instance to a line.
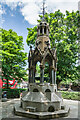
(42,100)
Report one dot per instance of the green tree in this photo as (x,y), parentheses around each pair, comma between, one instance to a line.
(63,35)
(38,70)
(13,57)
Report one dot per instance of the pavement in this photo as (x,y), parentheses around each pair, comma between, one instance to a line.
(6,109)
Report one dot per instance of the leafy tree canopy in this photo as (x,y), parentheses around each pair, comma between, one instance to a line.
(63,35)
(13,57)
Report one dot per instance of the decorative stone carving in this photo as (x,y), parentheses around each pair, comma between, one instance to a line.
(42,100)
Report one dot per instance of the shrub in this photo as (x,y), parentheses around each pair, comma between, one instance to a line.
(71,95)
(13,93)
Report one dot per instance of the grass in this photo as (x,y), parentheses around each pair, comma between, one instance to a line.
(71,95)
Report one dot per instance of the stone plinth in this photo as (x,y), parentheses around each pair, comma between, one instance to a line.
(41,115)
(41,101)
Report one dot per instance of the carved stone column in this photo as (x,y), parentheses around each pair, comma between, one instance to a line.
(43,30)
(55,77)
(29,76)
(33,74)
(39,32)
(52,75)
(31,79)
(55,71)
(41,73)
(47,31)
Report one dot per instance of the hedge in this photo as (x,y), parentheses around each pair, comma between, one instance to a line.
(71,95)
(13,93)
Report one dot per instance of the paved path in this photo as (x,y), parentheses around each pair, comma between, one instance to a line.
(6,109)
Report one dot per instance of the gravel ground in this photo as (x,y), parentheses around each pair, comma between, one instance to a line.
(6,109)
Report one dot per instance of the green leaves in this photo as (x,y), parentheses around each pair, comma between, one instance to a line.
(32,35)
(63,34)
(13,57)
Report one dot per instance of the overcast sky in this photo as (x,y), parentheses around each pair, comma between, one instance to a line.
(22,14)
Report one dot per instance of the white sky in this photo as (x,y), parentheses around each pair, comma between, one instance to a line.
(30,9)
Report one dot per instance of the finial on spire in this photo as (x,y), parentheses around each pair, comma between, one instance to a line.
(43,10)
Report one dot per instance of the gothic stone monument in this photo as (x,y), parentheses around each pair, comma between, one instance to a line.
(42,100)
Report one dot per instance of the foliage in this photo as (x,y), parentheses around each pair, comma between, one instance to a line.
(13,93)
(46,70)
(13,57)
(38,69)
(63,35)
(71,95)
(32,35)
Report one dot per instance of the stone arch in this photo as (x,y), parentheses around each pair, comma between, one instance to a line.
(37,71)
(35,90)
(48,58)
(48,94)
(47,90)
(51,109)
(37,64)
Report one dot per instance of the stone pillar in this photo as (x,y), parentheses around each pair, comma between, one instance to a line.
(43,30)
(41,74)
(29,76)
(38,31)
(52,81)
(33,76)
(55,77)
(52,76)
(47,31)
(55,70)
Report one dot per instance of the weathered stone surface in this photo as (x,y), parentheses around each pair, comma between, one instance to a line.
(43,87)
(42,100)
(35,97)
(41,115)
(41,97)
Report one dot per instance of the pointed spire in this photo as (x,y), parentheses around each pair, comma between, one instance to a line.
(43,18)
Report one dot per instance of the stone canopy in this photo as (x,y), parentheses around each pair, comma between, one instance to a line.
(42,53)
